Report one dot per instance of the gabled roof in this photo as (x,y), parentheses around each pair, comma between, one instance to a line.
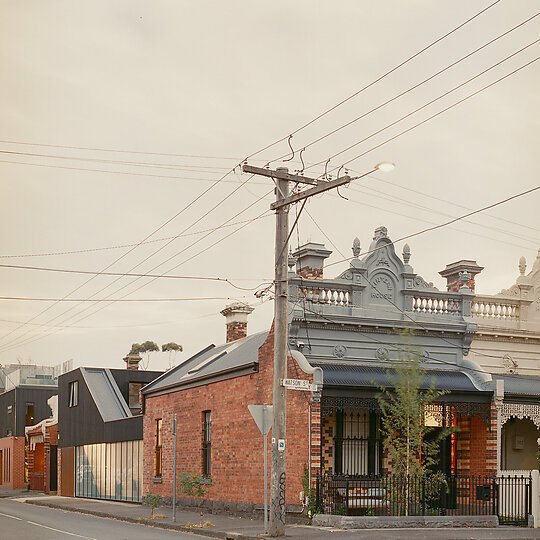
(211,361)
(105,393)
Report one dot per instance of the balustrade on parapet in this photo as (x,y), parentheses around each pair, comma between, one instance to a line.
(325,293)
(435,303)
(492,308)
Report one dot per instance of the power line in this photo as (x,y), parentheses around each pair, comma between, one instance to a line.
(417,85)
(400,349)
(13,343)
(421,220)
(126,173)
(172,166)
(401,64)
(399,310)
(405,202)
(439,113)
(187,206)
(446,201)
(426,105)
(116,150)
(34,299)
(439,226)
(157,276)
(303,126)
(121,246)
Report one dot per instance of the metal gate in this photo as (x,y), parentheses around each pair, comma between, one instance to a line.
(514,497)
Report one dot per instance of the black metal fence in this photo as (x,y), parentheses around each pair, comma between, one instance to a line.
(509,497)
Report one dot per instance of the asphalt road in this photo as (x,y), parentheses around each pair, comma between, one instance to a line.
(20,521)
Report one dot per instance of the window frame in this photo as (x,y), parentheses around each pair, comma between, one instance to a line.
(158,448)
(73,393)
(29,406)
(207,443)
(131,394)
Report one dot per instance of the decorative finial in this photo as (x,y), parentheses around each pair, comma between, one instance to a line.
(380,232)
(291,261)
(522,265)
(356,248)
(464,278)
(406,253)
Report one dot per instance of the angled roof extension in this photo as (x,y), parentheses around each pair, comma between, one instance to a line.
(106,394)
(210,363)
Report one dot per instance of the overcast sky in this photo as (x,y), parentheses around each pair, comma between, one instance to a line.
(183,91)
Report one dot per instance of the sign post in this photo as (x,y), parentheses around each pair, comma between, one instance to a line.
(264,416)
(174,472)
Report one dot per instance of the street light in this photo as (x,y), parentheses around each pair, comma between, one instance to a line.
(385,166)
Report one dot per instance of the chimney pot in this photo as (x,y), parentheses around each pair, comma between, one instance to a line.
(310,260)
(236,320)
(132,361)
(452,274)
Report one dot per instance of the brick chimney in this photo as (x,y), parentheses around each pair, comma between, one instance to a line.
(452,271)
(236,320)
(132,361)
(310,260)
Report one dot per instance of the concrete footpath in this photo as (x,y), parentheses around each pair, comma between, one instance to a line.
(239,528)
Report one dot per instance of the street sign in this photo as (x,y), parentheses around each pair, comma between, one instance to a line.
(299,384)
(263,416)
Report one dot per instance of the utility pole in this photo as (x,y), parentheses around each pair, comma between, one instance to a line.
(282,177)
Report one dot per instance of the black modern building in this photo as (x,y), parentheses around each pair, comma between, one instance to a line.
(24,406)
(100,432)
(20,406)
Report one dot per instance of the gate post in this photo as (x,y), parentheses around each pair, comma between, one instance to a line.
(535,497)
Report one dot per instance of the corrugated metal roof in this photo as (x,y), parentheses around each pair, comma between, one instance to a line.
(376,376)
(520,385)
(106,394)
(211,360)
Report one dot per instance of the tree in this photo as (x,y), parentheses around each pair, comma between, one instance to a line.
(408,440)
(144,348)
(195,485)
(170,348)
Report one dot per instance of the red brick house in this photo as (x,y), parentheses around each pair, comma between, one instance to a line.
(345,326)
(42,451)
(210,394)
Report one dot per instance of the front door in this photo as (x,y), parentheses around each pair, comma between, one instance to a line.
(53,468)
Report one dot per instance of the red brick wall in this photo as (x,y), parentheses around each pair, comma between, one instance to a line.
(310,273)
(237,445)
(477,445)
(236,330)
(13,451)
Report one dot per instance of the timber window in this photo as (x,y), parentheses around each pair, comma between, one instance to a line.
(357,443)
(29,415)
(207,443)
(158,450)
(134,389)
(73,393)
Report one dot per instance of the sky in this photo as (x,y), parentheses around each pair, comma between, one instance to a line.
(117,119)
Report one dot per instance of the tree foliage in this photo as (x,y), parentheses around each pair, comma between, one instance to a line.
(172,346)
(195,485)
(410,443)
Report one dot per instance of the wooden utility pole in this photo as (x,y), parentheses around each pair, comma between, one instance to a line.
(281,286)
(282,177)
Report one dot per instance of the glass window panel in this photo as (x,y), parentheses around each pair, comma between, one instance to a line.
(129,470)
(124,470)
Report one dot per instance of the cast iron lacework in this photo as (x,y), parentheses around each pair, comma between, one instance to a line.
(447,410)
(519,410)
